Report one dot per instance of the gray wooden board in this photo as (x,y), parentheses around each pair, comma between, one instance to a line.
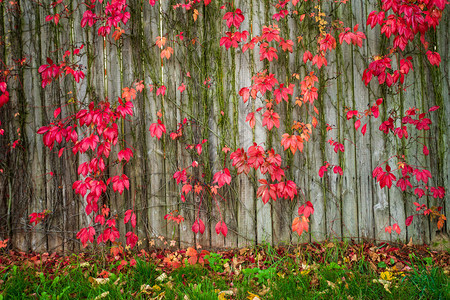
(351,205)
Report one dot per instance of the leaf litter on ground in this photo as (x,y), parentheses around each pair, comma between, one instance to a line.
(251,272)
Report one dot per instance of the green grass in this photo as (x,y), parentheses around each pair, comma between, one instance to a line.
(315,272)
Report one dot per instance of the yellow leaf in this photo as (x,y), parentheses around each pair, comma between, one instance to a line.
(252,296)
(386,276)
(222,294)
(305,272)
(195,16)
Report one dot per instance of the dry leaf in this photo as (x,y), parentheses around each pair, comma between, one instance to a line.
(98,281)
(333,285)
(161,277)
(102,295)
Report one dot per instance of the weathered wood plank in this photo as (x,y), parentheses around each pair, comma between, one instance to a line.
(349,206)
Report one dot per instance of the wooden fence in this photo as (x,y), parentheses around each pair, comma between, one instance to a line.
(34,178)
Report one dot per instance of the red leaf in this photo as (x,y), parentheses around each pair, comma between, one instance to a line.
(127,216)
(292,142)
(3,87)
(201,226)
(388,229)
(182,87)
(161,90)
(224,229)
(338,170)
(157,129)
(219,227)
(244,93)
(408,220)
(419,192)
(251,119)
(363,129)
(270,119)
(132,239)
(86,235)
(396,228)
(195,227)
(180,176)
(266,191)
(57,112)
(223,177)
(125,154)
(307,56)
(434,58)
(198,147)
(357,124)
(306,209)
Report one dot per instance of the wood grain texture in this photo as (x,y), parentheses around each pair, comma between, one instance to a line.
(351,206)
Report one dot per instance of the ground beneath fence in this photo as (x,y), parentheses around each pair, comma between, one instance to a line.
(314,270)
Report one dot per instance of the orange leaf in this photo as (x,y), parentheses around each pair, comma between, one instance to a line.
(128,93)
(314,122)
(195,15)
(160,41)
(166,52)
(300,224)
(116,35)
(3,243)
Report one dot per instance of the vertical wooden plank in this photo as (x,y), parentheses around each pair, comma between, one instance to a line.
(314,157)
(420,92)
(113,62)
(363,167)
(412,96)
(332,112)
(138,168)
(172,74)
(443,38)
(346,96)
(283,209)
(377,147)
(68,161)
(300,168)
(157,147)
(263,211)
(441,117)
(82,96)
(31,88)
(244,69)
